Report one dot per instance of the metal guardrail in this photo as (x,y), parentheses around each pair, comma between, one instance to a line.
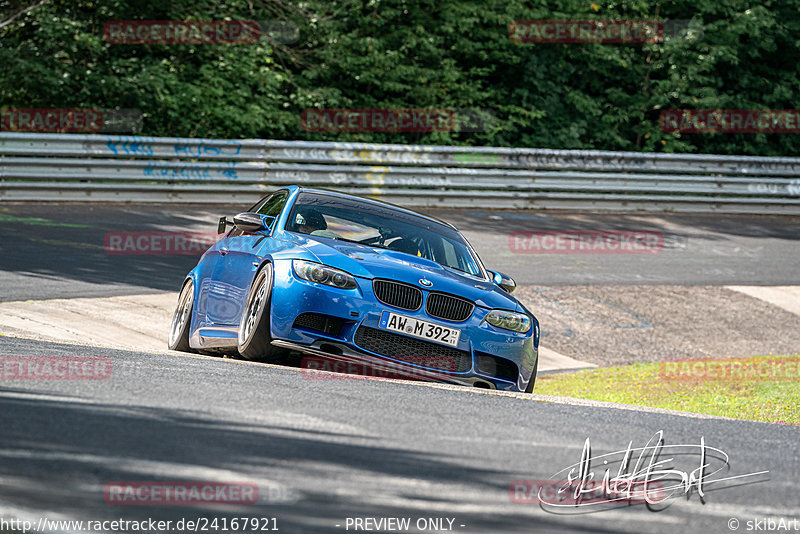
(50,167)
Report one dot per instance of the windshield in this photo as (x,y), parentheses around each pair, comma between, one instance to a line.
(379,226)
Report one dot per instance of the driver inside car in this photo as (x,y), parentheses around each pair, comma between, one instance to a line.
(310,221)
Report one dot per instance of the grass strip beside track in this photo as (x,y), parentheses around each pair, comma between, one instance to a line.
(763,388)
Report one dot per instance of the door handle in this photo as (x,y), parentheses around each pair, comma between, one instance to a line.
(223,251)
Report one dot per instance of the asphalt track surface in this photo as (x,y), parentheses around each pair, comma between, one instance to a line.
(57,251)
(321,450)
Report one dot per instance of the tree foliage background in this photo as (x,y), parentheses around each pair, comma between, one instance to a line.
(415,54)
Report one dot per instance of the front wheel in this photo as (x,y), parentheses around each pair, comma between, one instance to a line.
(182,319)
(254,339)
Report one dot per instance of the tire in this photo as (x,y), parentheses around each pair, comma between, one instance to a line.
(532,381)
(254,339)
(182,320)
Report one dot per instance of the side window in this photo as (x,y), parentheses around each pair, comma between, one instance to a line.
(273,205)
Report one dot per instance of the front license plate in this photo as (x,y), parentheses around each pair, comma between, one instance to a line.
(421,329)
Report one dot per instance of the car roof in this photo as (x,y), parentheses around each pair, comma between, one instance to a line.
(378,202)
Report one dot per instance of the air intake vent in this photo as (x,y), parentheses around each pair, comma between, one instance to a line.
(319,323)
(496,366)
(399,295)
(414,351)
(448,307)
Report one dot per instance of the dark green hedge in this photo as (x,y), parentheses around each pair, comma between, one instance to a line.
(417,54)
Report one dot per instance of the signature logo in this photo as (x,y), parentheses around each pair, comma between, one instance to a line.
(425,282)
(649,475)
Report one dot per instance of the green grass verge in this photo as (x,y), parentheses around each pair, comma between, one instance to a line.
(764,388)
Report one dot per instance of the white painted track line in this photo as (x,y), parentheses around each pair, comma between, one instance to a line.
(786,297)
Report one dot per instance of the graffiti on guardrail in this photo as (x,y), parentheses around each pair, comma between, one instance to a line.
(477,158)
(391,156)
(776,168)
(371,177)
(578,161)
(341,155)
(210,147)
(792,188)
(189,148)
(464,174)
(131,146)
(338,177)
(191,171)
(292,176)
(306,154)
(401,154)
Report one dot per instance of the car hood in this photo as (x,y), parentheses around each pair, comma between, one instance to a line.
(369,262)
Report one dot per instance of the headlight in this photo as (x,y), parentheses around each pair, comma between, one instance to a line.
(322,274)
(518,322)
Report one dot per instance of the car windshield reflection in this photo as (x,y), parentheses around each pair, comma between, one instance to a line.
(379,226)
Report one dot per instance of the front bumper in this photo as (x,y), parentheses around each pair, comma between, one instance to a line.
(480,346)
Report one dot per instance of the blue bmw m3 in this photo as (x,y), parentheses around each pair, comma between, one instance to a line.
(347,279)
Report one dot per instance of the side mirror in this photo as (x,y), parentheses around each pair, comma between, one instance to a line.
(252,222)
(505,282)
